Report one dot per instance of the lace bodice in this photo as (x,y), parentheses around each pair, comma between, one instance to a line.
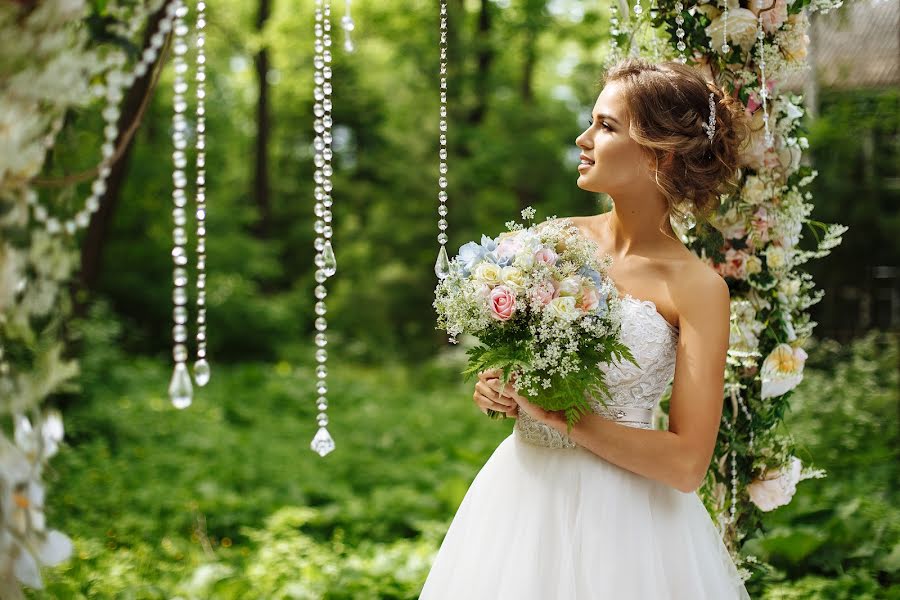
(635,390)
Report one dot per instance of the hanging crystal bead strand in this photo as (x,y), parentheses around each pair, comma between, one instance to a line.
(725,47)
(764,89)
(654,40)
(442,264)
(613,32)
(180,388)
(347,25)
(326,266)
(679,20)
(201,366)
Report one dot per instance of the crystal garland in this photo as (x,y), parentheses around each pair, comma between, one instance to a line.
(180,388)
(322,443)
(613,31)
(763,88)
(725,47)
(347,25)
(652,13)
(442,265)
(201,366)
(679,20)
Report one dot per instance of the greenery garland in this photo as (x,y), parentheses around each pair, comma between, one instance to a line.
(753,240)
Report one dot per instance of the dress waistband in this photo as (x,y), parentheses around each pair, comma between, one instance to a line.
(534,432)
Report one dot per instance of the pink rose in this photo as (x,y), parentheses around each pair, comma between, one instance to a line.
(735,264)
(546,256)
(774,489)
(508,247)
(774,17)
(590,299)
(502,302)
(543,293)
(761,224)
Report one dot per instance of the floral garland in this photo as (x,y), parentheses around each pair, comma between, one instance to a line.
(48,66)
(752,240)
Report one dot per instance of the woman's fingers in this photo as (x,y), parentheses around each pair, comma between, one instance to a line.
(490,374)
(486,403)
(488,391)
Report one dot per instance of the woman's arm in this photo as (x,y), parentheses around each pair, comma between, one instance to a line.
(680,456)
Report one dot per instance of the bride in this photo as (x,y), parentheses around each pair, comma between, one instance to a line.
(610,511)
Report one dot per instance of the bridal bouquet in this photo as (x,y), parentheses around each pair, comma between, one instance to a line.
(543,309)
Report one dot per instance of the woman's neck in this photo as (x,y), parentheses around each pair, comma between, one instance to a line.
(635,227)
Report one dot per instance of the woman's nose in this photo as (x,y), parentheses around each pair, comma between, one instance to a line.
(581,140)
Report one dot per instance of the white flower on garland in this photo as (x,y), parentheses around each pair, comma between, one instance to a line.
(772,490)
(25,542)
(782,370)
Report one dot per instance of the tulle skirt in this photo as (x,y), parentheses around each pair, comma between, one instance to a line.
(540,523)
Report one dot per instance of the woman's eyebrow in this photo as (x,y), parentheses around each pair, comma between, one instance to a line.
(605,116)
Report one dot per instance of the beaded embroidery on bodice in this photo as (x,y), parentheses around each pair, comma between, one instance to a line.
(635,390)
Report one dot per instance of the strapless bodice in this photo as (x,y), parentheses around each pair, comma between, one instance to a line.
(634,390)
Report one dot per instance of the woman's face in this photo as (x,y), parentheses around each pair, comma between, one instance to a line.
(611,161)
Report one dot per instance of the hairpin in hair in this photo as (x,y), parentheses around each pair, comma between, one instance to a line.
(711,126)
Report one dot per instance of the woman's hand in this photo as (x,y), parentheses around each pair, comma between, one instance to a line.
(553,418)
(488,397)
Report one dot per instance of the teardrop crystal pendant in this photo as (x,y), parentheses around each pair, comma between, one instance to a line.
(180,389)
(330,266)
(322,443)
(442,265)
(201,372)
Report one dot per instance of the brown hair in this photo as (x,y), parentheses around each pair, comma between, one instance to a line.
(666,103)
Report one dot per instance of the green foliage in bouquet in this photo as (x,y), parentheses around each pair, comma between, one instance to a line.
(567,393)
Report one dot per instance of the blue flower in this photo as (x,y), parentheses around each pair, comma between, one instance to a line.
(470,255)
(592,274)
(488,243)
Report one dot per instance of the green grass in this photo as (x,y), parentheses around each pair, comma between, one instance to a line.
(226,500)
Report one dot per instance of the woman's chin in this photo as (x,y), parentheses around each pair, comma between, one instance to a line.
(584,184)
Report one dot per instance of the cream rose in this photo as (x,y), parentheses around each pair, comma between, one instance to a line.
(753,265)
(564,308)
(776,489)
(488,273)
(776,257)
(570,286)
(513,278)
(741,28)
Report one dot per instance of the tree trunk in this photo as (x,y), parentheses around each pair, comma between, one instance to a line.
(484,56)
(261,194)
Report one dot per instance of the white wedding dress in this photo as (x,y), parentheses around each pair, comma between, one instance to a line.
(546,519)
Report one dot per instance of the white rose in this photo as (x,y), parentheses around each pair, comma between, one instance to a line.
(776,489)
(789,158)
(488,273)
(776,258)
(790,288)
(741,28)
(755,190)
(564,308)
(754,265)
(570,286)
(513,278)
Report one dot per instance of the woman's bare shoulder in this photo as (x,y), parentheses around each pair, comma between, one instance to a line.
(698,291)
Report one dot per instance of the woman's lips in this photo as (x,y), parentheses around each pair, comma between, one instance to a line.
(584,166)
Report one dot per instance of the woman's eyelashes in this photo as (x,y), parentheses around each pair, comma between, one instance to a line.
(602,124)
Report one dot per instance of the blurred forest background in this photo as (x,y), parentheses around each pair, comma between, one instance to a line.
(226,499)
